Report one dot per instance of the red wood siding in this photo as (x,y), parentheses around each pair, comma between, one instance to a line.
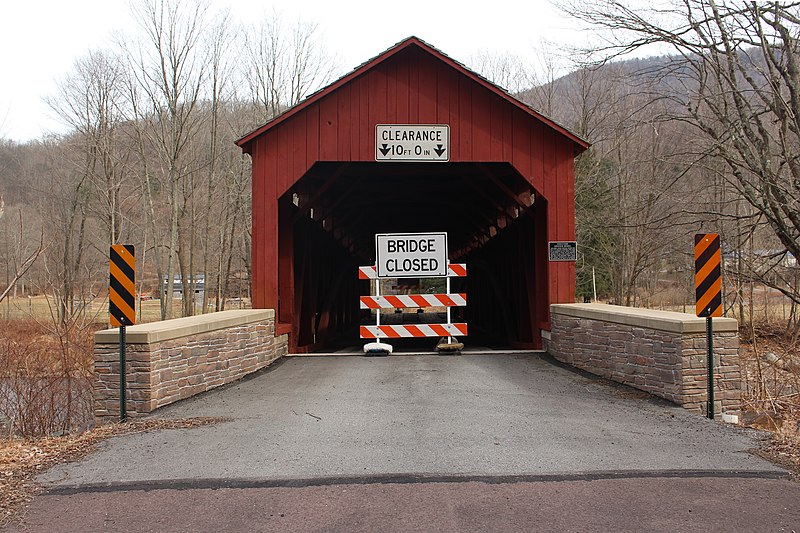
(411,86)
(483,127)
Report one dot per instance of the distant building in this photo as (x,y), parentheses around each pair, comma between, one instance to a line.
(177,286)
(775,257)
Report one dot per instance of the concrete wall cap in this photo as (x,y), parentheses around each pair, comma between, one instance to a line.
(670,321)
(176,328)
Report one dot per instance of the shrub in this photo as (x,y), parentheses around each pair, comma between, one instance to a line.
(45,378)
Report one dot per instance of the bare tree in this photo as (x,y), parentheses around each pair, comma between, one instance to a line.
(507,70)
(150,156)
(219,87)
(548,67)
(737,82)
(67,198)
(284,65)
(90,101)
(26,262)
(168,71)
(628,208)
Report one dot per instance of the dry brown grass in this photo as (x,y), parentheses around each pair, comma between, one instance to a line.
(770,363)
(45,377)
(46,391)
(783,446)
(39,308)
(21,460)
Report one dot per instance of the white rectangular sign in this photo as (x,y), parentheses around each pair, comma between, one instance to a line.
(412,142)
(411,255)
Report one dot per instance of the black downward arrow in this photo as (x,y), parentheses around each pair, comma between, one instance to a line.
(439,150)
(384,149)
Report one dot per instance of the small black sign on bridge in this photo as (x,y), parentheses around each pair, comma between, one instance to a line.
(563,251)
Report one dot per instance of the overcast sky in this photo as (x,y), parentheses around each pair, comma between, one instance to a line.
(39,40)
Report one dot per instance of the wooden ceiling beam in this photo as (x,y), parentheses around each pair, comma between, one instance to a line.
(327,184)
(523,200)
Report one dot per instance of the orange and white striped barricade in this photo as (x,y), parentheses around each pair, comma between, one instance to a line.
(410,301)
(414,330)
(447,300)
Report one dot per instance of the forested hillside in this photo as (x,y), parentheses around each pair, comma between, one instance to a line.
(646,186)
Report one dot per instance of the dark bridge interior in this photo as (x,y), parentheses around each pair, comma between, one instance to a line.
(496,224)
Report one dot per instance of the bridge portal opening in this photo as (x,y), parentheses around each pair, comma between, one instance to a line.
(491,214)
(501,185)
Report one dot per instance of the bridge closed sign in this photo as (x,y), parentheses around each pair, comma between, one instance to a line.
(411,255)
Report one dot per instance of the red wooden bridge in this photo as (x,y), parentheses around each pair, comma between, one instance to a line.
(321,193)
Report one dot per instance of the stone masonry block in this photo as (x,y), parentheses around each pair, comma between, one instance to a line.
(166,371)
(669,364)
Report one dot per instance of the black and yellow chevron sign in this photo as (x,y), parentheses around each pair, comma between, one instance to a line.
(708,274)
(121,295)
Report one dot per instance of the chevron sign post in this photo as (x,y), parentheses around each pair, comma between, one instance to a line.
(708,288)
(122,305)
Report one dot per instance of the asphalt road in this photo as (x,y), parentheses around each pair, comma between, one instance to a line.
(476,442)
(625,504)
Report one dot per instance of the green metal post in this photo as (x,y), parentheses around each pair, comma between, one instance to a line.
(710,395)
(123,415)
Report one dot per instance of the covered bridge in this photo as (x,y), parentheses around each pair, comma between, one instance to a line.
(501,188)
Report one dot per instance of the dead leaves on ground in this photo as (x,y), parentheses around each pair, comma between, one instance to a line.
(21,460)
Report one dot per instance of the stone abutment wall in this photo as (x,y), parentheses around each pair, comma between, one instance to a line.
(660,352)
(175,359)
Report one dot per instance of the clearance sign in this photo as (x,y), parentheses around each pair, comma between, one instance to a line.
(412,142)
(411,255)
